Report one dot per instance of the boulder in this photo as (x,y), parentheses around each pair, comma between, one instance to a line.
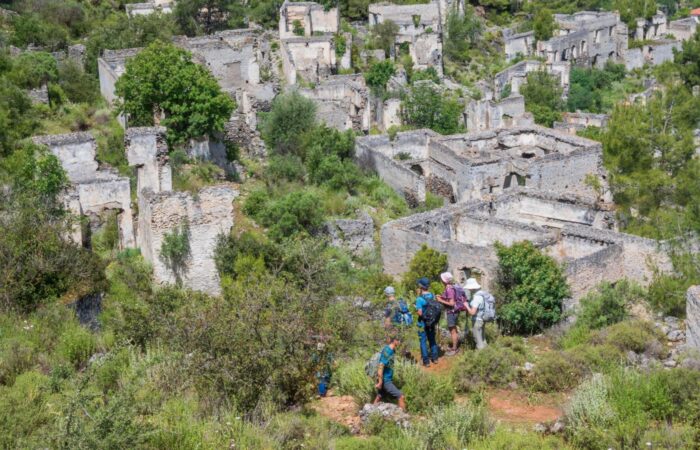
(357,235)
(692,321)
(386,411)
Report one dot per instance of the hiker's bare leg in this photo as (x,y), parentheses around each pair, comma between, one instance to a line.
(455,338)
(402,403)
(377,399)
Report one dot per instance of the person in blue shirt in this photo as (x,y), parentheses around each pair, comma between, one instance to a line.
(385,374)
(426,334)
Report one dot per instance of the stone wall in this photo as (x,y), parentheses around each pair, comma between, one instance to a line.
(516,75)
(487,114)
(683,29)
(692,321)
(207,216)
(94,192)
(144,9)
(573,122)
(312,17)
(343,102)
(518,44)
(356,235)
(564,226)
(312,58)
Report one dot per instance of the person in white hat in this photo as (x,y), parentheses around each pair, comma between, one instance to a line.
(475,308)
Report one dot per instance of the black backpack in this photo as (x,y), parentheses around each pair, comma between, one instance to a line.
(431,312)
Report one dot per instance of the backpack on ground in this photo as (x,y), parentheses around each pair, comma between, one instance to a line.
(402,315)
(460,298)
(372,366)
(431,312)
(488,306)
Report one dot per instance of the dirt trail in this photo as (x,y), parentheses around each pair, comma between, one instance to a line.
(341,409)
(515,407)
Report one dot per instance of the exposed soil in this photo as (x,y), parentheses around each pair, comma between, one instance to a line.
(515,407)
(340,409)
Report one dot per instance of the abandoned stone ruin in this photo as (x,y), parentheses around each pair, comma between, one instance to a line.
(94,192)
(477,165)
(579,121)
(149,7)
(420,30)
(573,230)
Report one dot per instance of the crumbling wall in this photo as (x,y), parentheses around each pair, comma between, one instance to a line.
(692,321)
(518,44)
(650,29)
(516,75)
(95,192)
(487,114)
(311,16)
(147,151)
(313,58)
(683,29)
(207,215)
(343,102)
(110,67)
(391,113)
(147,8)
(356,235)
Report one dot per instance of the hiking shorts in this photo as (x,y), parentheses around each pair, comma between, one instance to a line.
(452,319)
(389,389)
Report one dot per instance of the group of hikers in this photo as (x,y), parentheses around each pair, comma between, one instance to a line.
(477,303)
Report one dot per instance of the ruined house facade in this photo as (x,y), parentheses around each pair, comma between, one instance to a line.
(342,102)
(484,115)
(94,192)
(312,17)
(573,230)
(478,165)
(420,29)
(516,75)
(150,7)
(578,121)
(162,211)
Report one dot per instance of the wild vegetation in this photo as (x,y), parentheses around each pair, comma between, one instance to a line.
(176,369)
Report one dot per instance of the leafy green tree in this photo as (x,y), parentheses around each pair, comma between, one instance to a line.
(425,106)
(30,29)
(118,31)
(427,262)
(33,69)
(463,32)
(287,216)
(78,85)
(383,36)
(163,80)
(542,94)
(175,251)
(17,117)
(531,289)
(208,16)
(688,61)
(379,74)
(38,262)
(543,24)
(290,117)
(587,85)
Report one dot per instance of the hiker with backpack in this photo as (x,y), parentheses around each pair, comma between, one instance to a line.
(454,298)
(381,369)
(429,311)
(396,312)
(482,308)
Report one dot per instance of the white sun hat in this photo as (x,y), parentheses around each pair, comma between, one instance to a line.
(446,277)
(472,284)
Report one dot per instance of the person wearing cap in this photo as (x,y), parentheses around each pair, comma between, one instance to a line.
(426,334)
(475,308)
(449,299)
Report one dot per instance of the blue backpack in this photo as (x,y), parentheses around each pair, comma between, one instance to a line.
(402,315)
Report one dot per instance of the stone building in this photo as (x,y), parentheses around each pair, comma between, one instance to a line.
(342,102)
(477,165)
(573,122)
(149,7)
(516,75)
(311,58)
(652,29)
(489,114)
(573,230)
(162,210)
(94,192)
(692,322)
(110,67)
(312,17)
(518,44)
(591,38)
(420,30)
(653,54)
(683,29)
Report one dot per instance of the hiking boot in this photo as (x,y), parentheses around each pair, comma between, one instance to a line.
(451,352)
(426,365)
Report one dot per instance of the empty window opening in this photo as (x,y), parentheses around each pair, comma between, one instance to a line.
(513,180)
(417,169)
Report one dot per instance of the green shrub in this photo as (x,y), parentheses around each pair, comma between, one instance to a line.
(427,262)
(496,365)
(16,356)
(284,168)
(589,412)
(25,410)
(608,304)
(633,335)
(423,391)
(293,431)
(76,344)
(175,251)
(452,427)
(509,439)
(597,357)
(351,379)
(530,286)
(283,128)
(556,371)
